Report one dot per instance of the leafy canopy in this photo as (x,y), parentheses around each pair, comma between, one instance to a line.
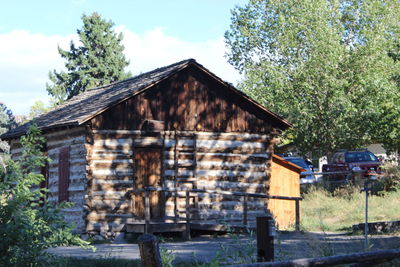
(96,61)
(28,223)
(323,64)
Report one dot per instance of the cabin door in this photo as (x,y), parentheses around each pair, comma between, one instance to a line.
(148,173)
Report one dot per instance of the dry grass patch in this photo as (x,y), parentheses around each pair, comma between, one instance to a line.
(322,211)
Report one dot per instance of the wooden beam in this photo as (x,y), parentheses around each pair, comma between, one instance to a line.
(365,257)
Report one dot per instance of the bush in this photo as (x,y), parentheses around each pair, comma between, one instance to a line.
(28,223)
(391,177)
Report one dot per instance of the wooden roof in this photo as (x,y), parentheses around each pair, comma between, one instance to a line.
(92,102)
(287,164)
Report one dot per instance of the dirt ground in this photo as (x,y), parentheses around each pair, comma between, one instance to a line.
(288,245)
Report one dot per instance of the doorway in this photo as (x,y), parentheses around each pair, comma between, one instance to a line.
(148,174)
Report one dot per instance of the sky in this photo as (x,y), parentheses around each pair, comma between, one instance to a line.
(156,33)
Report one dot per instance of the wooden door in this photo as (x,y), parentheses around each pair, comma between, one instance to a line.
(148,173)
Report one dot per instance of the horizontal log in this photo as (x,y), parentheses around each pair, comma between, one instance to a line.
(113,177)
(95,165)
(63,135)
(218,173)
(199,135)
(74,130)
(123,187)
(127,132)
(66,142)
(112,172)
(363,257)
(101,216)
(108,205)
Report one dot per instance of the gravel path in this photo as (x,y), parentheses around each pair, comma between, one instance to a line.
(287,246)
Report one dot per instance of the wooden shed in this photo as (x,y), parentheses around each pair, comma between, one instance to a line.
(175,127)
(285,182)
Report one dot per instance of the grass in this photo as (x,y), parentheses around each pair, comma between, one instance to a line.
(321,211)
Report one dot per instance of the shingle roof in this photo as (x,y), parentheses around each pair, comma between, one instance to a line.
(92,102)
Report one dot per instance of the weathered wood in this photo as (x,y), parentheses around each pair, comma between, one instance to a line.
(245,210)
(297,222)
(63,172)
(265,239)
(175,175)
(365,257)
(147,211)
(177,189)
(187,199)
(149,251)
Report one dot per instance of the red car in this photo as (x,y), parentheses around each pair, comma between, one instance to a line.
(353,161)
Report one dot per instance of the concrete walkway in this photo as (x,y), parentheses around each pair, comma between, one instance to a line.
(204,249)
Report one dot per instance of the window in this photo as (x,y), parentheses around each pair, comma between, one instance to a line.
(63,174)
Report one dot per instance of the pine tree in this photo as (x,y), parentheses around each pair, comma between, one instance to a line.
(97,61)
(7,122)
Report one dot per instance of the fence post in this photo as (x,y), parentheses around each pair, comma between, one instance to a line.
(187,233)
(147,211)
(297,222)
(149,251)
(245,210)
(265,238)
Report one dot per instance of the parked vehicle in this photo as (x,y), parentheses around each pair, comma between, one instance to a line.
(306,177)
(361,161)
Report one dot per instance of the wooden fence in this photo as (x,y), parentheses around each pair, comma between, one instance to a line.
(187,193)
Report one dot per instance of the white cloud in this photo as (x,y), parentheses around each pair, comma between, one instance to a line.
(155,49)
(26,58)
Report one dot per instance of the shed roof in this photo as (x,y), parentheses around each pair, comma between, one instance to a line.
(287,164)
(81,108)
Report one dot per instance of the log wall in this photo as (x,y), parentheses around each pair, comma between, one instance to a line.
(236,162)
(73,138)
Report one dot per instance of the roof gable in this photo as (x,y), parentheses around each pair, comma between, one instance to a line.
(92,102)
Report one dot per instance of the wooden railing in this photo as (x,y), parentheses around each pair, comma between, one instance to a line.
(187,193)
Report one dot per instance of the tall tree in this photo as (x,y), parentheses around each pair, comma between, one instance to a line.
(7,122)
(96,61)
(323,64)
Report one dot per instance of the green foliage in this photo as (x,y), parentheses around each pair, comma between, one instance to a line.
(28,223)
(390,181)
(97,61)
(38,108)
(324,65)
(167,257)
(7,122)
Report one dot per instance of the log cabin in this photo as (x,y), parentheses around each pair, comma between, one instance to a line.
(178,126)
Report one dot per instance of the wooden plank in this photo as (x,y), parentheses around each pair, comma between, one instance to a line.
(265,239)
(245,210)
(63,172)
(187,206)
(363,258)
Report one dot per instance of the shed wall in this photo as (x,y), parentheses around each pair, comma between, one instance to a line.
(285,181)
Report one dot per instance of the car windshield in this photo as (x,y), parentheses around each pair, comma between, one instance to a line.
(360,157)
(299,162)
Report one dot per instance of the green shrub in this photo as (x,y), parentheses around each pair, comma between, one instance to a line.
(391,178)
(28,223)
